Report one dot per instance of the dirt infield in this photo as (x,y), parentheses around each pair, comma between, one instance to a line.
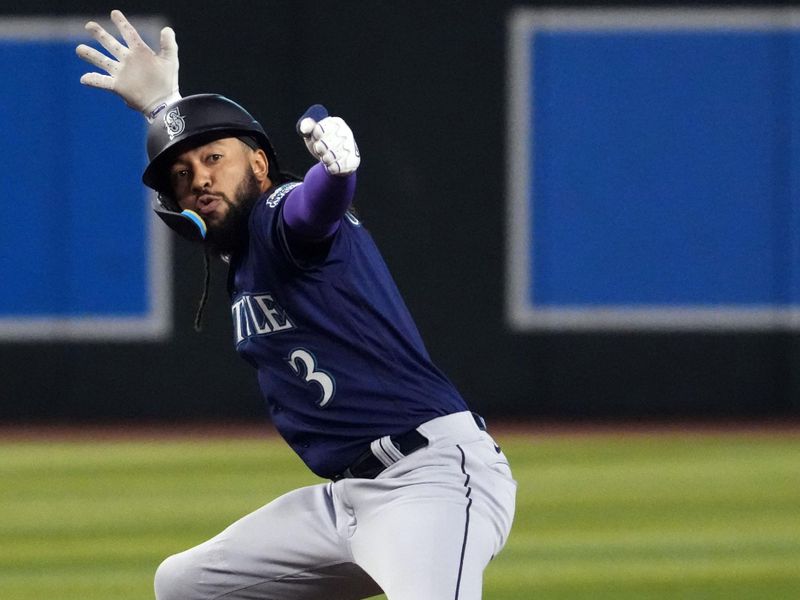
(251,430)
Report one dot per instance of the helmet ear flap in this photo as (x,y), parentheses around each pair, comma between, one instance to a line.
(186,223)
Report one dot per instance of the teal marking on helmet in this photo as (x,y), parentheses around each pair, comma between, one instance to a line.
(197,220)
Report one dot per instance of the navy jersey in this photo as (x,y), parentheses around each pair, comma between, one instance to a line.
(340,361)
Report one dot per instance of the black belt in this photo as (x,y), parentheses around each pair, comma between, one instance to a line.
(368,466)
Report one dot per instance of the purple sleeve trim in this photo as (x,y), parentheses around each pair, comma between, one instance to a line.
(313,209)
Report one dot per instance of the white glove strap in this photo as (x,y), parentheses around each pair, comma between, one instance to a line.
(153,112)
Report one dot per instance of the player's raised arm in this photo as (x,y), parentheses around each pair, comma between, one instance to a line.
(313,210)
(146,81)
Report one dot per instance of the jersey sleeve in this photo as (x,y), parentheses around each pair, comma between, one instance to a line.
(275,239)
(313,210)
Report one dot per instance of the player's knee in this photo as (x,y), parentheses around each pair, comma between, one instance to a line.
(175,578)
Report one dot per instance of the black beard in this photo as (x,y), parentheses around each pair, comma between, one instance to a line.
(231,233)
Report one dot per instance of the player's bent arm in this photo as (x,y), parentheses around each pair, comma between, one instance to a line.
(313,210)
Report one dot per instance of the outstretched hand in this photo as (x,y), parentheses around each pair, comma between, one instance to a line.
(330,140)
(146,81)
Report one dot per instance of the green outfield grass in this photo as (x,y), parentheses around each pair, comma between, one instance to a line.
(598,516)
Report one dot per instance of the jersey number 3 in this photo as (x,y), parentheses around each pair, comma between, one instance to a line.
(309,372)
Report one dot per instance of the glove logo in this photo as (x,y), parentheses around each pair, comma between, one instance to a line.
(174,122)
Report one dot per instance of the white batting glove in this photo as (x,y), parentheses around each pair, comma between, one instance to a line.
(330,140)
(146,81)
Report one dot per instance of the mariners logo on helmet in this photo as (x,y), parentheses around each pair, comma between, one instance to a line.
(174,122)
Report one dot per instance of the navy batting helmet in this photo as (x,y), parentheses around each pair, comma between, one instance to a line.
(188,123)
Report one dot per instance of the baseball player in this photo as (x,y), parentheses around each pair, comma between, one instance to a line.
(419,498)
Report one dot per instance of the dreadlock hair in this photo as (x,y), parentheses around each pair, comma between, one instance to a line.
(198,317)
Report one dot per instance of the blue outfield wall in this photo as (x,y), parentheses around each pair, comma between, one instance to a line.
(659,171)
(78,258)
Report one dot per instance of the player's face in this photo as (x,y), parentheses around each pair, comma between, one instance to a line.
(208,179)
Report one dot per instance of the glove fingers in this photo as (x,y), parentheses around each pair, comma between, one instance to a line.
(106,40)
(103,82)
(330,140)
(126,30)
(306,127)
(328,159)
(319,128)
(320,148)
(97,58)
(337,162)
(169,47)
(315,112)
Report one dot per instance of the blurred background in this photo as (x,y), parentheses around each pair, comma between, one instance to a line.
(591,211)
(514,207)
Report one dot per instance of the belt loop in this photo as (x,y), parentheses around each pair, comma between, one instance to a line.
(385,451)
